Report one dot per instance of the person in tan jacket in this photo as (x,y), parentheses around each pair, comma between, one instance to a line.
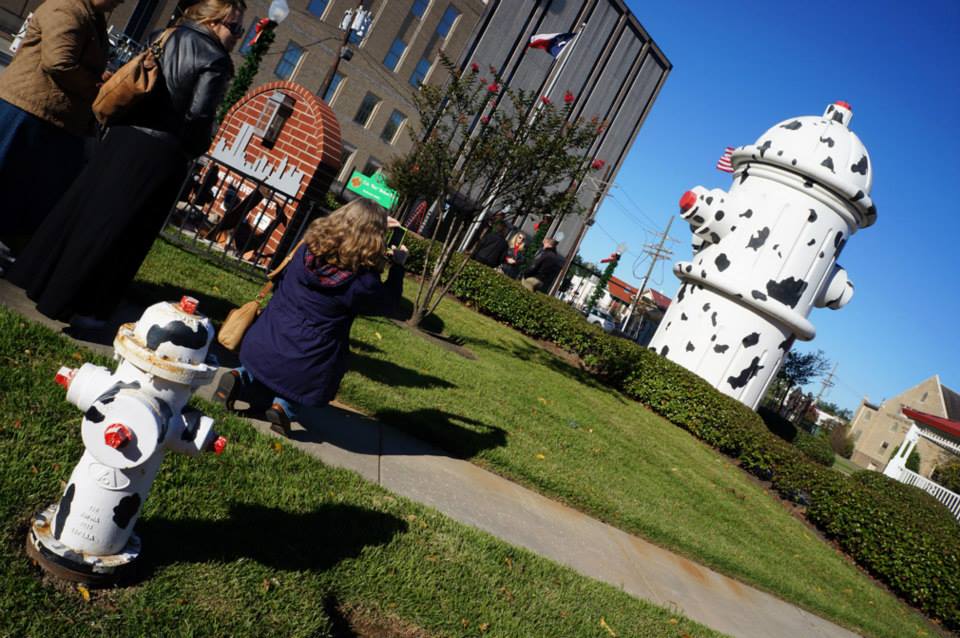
(45,99)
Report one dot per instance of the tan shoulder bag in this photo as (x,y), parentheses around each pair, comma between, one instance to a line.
(240,319)
(131,83)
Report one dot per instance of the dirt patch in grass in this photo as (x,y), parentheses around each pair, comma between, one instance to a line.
(359,622)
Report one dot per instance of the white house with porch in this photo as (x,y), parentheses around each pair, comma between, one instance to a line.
(939,431)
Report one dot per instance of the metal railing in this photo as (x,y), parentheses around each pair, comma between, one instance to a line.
(950,500)
(235,218)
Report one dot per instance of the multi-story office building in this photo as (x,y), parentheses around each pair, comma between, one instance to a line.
(613,67)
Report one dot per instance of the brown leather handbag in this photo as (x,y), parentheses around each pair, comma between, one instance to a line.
(131,83)
(240,319)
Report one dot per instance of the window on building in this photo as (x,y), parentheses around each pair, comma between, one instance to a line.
(894,428)
(884,446)
(289,61)
(420,73)
(867,415)
(245,43)
(332,91)
(419,8)
(317,7)
(924,397)
(369,103)
(372,167)
(856,435)
(392,59)
(446,22)
(393,125)
(346,157)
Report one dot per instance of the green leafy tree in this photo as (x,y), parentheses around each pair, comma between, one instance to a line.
(948,475)
(832,408)
(799,369)
(478,146)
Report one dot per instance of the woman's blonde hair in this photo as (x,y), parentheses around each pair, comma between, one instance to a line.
(207,12)
(351,237)
(518,238)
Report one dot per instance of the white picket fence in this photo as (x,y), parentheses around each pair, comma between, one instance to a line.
(950,499)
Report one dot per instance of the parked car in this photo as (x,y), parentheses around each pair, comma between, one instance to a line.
(601,319)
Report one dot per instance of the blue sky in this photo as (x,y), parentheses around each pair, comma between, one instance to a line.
(739,68)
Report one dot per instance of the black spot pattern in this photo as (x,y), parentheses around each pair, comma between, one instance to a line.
(811,242)
(63,510)
(786,343)
(746,374)
(179,334)
(858,196)
(776,246)
(706,307)
(812,217)
(126,509)
(751,340)
(792,126)
(683,316)
(720,349)
(698,219)
(713,319)
(709,200)
(787,291)
(837,239)
(664,351)
(715,238)
(828,163)
(713,338)
(719,215)
(165,414)
(821,254)
(837,117)
(759,239)
(689,267)
(756,294)
(747,213)
(828,141)
(807,183)
(93,414)
(765,147)
(721,262)
(861,166)
(793,162)
(839,249)
(681,292)
(690,346)
(744,175)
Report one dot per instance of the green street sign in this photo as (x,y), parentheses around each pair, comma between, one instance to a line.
(374,188)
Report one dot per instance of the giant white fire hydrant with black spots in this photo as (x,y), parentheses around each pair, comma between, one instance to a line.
(765,252)
(131,417)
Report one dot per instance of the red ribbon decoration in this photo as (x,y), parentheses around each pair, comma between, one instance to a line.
(263,24)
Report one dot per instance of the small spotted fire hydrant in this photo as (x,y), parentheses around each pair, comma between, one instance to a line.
(131,418)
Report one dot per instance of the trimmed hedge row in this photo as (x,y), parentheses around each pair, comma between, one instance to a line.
(898,533)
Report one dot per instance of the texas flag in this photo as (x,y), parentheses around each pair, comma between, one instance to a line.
(552,43)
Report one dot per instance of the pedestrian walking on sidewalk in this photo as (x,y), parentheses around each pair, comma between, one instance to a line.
(295,354)
(45,98)
(91,245)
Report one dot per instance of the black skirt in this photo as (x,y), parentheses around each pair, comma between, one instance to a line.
(90,246)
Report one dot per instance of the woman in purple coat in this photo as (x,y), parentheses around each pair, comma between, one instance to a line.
(295,353)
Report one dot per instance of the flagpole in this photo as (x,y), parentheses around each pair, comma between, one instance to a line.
(557,68)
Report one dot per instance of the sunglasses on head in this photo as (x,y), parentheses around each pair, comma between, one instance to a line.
(234,28)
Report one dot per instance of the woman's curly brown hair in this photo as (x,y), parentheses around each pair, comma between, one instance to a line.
(351,237)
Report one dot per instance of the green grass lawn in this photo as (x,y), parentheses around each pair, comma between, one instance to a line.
(265,541)
(530,416)
(846,466)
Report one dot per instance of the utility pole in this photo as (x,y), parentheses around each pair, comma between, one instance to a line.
(656,253)
(353,20)
(826,383)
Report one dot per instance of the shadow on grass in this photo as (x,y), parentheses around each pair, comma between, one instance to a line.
(273,537)
(536,355)
(404,310)
(459,436)
(391,374)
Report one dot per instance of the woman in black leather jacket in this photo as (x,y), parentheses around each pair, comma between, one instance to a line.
(91,245)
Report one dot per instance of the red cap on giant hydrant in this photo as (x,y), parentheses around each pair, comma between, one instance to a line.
(65,377)
(188,304)
(688,200)
(117,435)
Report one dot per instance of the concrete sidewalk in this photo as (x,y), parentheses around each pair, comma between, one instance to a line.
(466,493)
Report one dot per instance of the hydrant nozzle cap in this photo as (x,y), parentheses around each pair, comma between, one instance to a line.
(844,104)
(117,435)
(687,200)
(188,304)
(219,445)
(65,377)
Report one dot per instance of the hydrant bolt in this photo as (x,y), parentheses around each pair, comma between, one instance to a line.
(117,435)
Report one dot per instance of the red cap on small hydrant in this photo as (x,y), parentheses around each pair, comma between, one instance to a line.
(117,435)
(188,304)
(844,104)
(219,445)
(65,377)
(688,200)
